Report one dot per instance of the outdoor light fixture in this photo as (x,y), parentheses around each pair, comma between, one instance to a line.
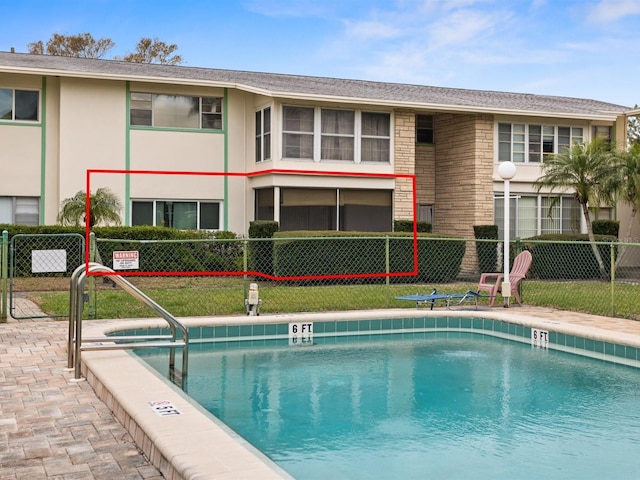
(506,170)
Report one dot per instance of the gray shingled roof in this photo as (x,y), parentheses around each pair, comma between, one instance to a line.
(298,86)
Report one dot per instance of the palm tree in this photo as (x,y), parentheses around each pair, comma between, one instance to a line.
(585,169)
(627,181)
(104,207)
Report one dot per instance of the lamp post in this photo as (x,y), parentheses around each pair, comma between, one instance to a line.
(506,170)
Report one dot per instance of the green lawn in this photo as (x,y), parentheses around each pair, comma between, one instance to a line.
(216,296)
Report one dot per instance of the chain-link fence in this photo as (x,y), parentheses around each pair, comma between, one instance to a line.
(36,262)
(363,272)
(213,276)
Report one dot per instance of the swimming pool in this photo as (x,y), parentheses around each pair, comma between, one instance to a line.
(431,404)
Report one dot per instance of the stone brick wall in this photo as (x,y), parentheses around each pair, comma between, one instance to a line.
(464,169)
(404,137)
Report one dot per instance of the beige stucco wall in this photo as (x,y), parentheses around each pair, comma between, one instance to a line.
(404,159)
(92,121)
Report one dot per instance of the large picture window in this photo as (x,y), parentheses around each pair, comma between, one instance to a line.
(19,105)
(323,134)
(175,111)
(521,143)
(532,215)
(183,215)
(334,209)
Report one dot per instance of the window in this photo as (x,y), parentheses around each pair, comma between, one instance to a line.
(183,215)
(338,133)
(19,105)
(20,210)
(376,137)
(602,132)
(532,143)
(425,213)
(263,134)
(335,135)
(530,215)
(175,111)
(264,204)
(424,128)
(335,209)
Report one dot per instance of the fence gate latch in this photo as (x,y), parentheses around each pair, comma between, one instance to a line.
(252,304)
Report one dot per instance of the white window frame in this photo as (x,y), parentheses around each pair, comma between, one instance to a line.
(201,113)
(317,135)
(13,118)
(526,142)
(261,134)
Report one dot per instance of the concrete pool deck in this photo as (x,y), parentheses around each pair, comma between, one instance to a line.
(54,428)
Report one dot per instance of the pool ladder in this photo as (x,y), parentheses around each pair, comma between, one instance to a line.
(76,343)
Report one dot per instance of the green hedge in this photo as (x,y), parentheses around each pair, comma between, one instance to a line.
(487,252)
(553,260)
(606,227)
(407,226)
(339,253)
(261,251)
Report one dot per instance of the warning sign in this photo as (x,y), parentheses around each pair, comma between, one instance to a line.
(126,260)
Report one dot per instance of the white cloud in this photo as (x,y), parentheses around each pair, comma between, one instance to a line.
(612,10)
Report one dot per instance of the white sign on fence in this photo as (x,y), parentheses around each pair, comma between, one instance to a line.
(126,260)
(46,261)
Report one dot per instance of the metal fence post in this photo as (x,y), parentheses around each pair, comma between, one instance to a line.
(4,259)
(387,267)
(612,254)
(245,265)
(93,296)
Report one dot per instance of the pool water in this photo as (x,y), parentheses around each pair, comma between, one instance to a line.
(430,405)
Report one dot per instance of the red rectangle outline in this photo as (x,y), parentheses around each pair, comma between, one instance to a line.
(254,174)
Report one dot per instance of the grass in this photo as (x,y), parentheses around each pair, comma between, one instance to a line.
(209,296)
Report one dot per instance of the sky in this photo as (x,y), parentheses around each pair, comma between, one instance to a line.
(576,48)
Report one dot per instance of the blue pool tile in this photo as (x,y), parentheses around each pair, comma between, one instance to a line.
(397,323)
(620,351)
(318,327)
(465,322)
(283,329)
(526,332)
(329,327)
(570,341)
(207,332)
(220,332)
(504,328)
(562,338)
(598,346)
(609,348)
(631,353)
(579,343)
(270,329)
(477,324)
(429,322)
(245,330)
(233,331)
(454,322)
(512,329)
(376,325)
(519,331)
(364,325)
(258,330)
(352,326)
(553,337)
(589,345)
(418,322)
(341,326)
(441,322)
(487,324)
(386,324)
(407,324)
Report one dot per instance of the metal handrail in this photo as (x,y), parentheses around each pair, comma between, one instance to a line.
(76,303)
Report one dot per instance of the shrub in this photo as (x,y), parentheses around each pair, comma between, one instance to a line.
(487,252)
(407,226)
(606,227)
(261,251)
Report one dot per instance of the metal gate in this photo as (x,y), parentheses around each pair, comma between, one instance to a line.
(34,259)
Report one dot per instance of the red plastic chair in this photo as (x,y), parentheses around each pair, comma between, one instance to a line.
(492,282)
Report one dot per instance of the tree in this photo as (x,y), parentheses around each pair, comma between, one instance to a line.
(82,45)
(587,170)
(633,129)
(154,51)
(104,207)
(626,182)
